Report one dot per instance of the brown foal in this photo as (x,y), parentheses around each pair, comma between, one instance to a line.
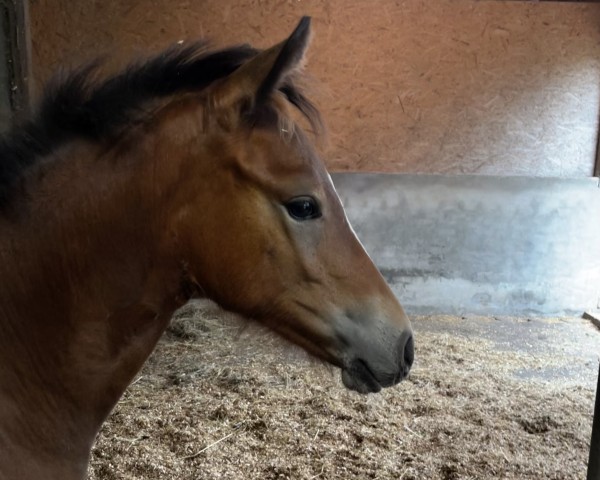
(122,197)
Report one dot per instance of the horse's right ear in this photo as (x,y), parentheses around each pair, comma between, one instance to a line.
(258,78)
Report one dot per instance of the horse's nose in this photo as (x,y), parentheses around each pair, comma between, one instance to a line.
(406,353)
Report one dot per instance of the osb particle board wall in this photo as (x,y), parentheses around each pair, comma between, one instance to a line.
(420,86)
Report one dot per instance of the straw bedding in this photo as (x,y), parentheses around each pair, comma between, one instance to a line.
(215,401)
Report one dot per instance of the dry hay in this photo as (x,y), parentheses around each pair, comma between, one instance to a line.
(216,403)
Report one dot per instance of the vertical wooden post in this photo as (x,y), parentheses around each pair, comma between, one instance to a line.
(597,165)
(594,461)
(596,172)
(14,61)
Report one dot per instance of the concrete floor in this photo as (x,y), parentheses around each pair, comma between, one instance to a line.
(575,340)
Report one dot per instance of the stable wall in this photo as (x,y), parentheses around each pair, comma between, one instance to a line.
(438,87)
(480,244)
(413,86)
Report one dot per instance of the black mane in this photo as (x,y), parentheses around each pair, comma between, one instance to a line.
(81,106)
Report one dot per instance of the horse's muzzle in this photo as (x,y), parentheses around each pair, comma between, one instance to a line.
(370,377)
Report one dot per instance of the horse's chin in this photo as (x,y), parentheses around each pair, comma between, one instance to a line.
(359,378)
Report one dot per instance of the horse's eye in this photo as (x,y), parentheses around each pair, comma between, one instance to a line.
(303,208)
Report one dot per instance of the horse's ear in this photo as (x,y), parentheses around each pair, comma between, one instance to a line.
(258,78)
(288,56)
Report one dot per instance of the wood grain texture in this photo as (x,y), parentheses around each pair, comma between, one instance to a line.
(416,86)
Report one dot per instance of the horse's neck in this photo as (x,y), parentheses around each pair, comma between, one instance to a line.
(83,301)
(21,463)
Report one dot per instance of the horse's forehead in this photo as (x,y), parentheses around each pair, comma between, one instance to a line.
(284,165)
(289,153)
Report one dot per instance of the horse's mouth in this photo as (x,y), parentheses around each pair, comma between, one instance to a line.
(357,376)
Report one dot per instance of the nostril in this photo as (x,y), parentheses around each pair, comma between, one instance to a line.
(409,352)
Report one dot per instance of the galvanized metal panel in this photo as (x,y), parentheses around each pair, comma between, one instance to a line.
(481,244)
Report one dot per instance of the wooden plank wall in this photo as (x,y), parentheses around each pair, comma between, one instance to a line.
(415,86)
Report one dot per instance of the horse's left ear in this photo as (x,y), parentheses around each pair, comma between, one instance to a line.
(288,56)
(260,77)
